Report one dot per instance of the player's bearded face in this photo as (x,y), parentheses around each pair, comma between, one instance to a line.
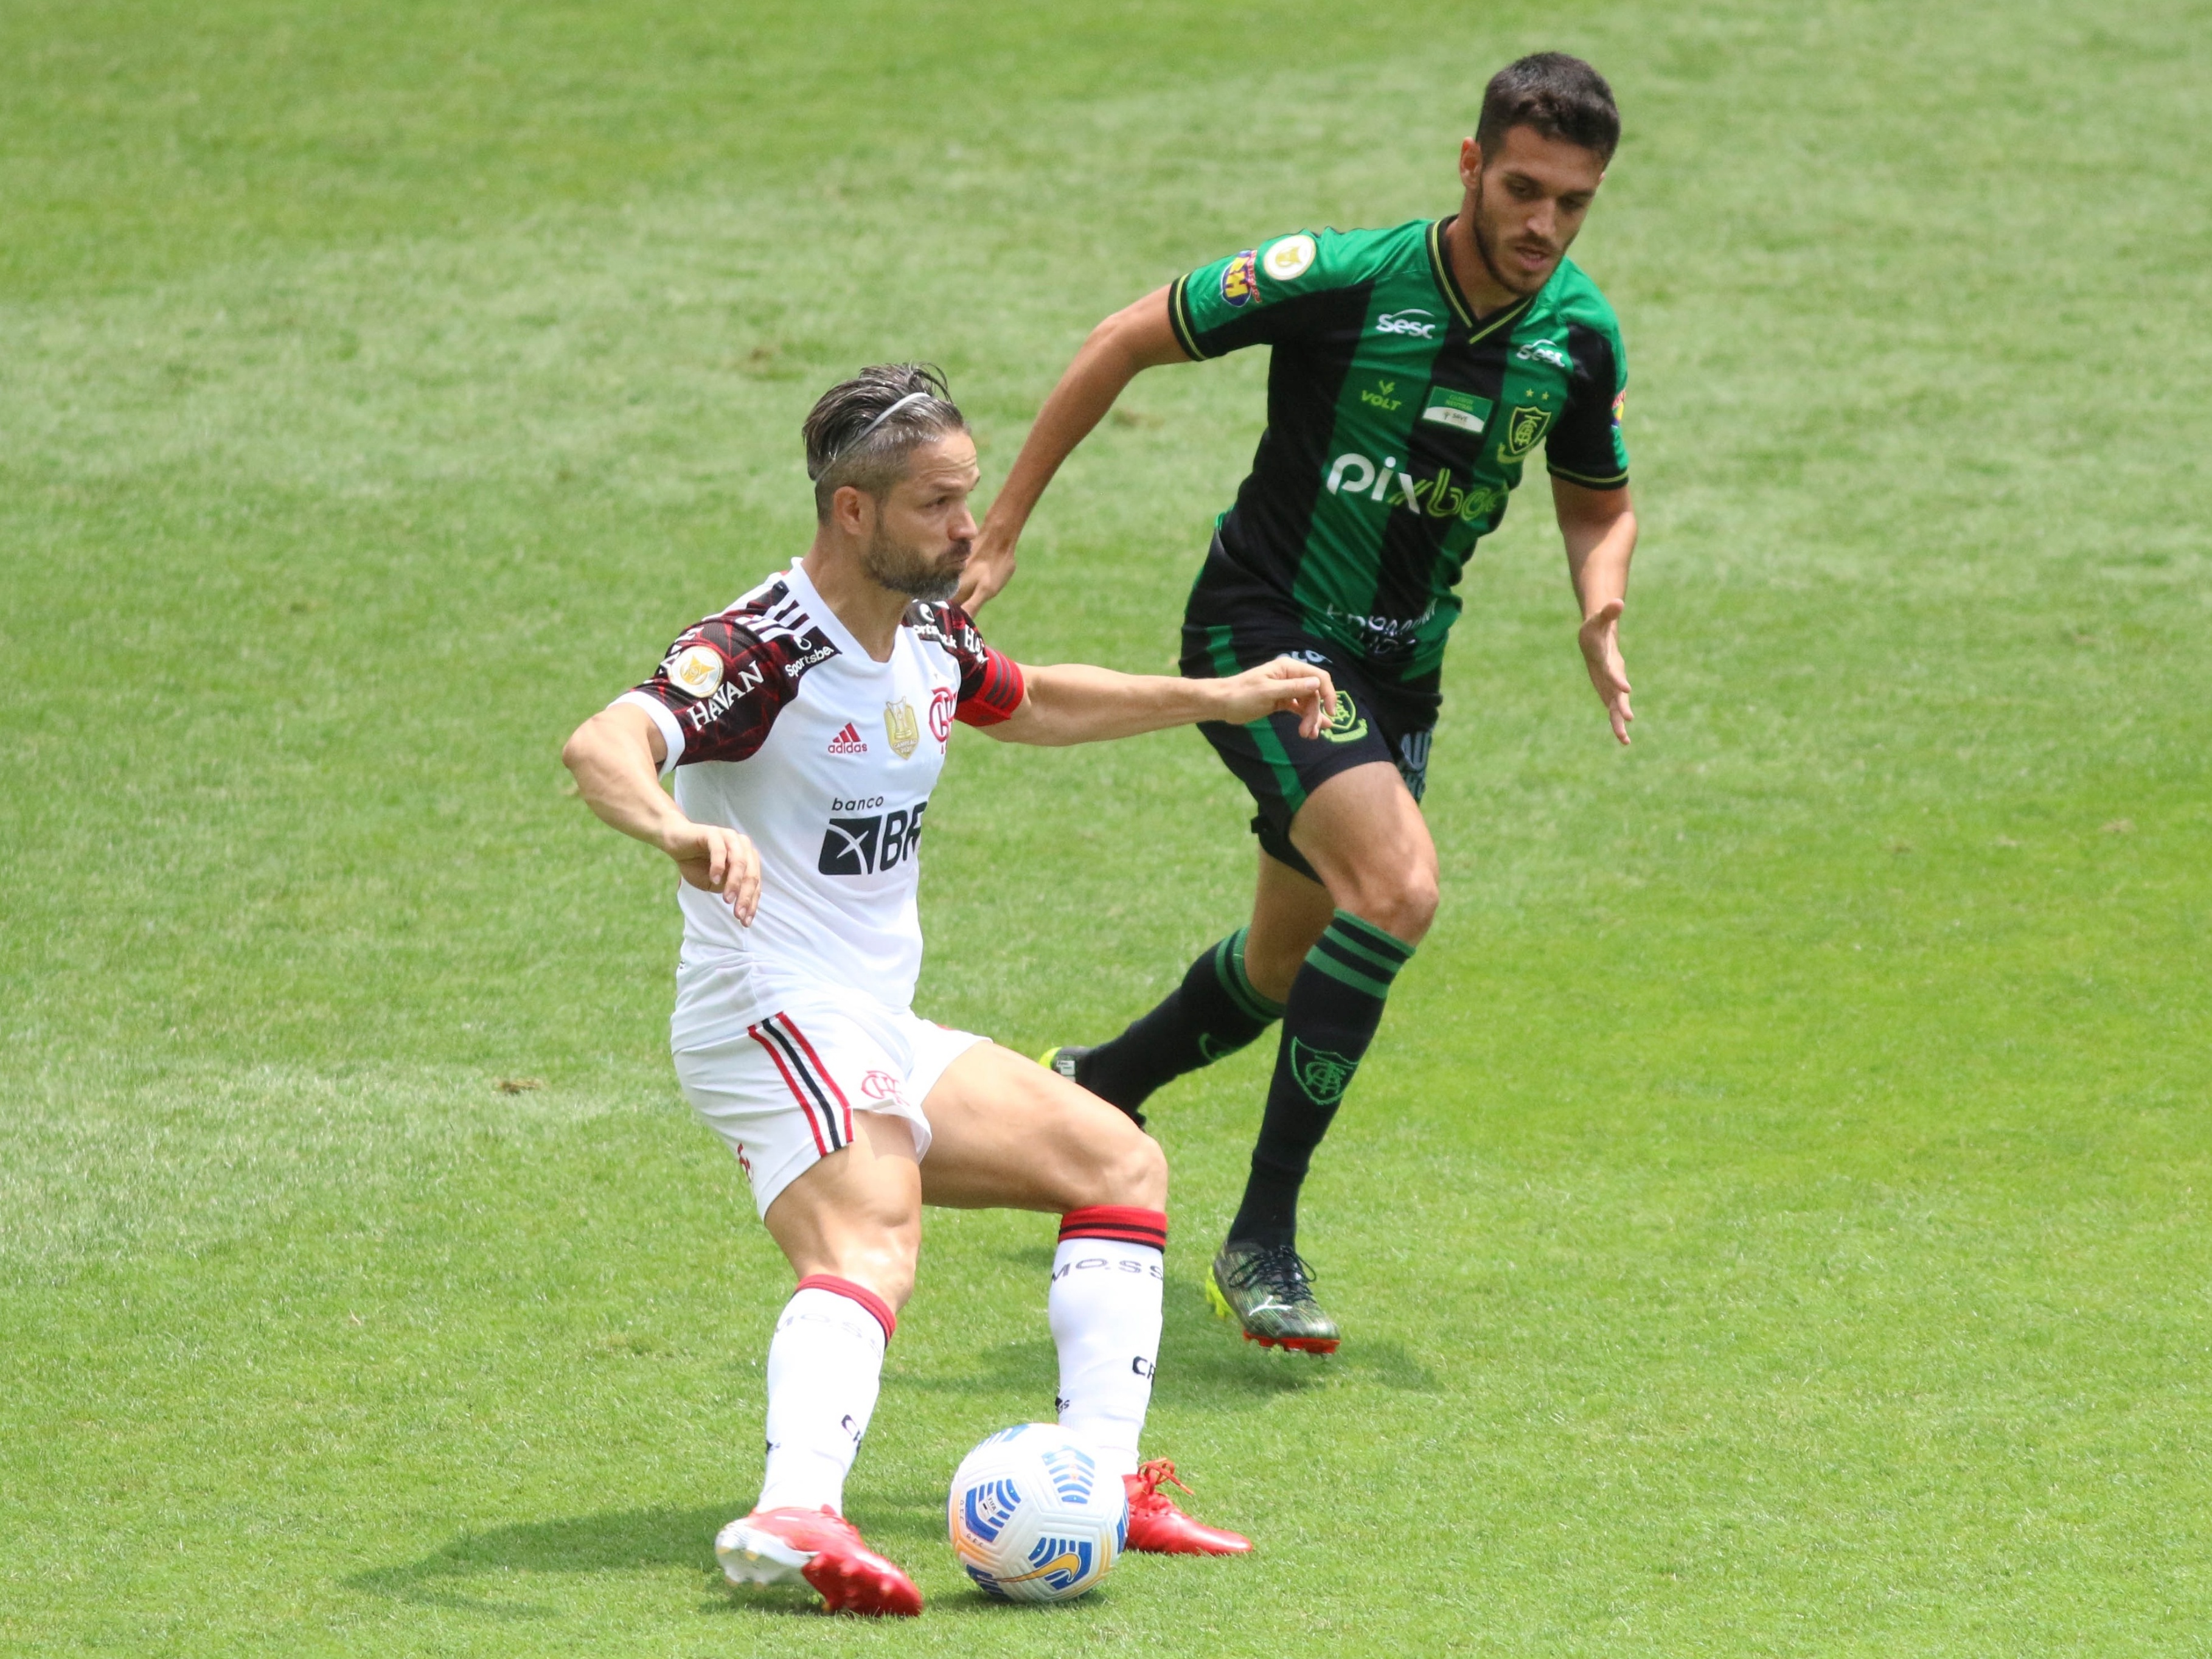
(1529,203)
(923,531)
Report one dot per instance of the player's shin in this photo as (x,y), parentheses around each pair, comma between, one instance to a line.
(825,1368)
(1212,1014)
(1107,1278)
(1335,1004)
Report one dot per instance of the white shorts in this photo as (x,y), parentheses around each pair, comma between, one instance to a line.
(783,1094)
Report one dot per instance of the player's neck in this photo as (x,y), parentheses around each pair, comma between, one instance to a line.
(870,612)
(1484,292)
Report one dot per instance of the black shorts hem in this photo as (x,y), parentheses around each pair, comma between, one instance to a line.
(1232,623)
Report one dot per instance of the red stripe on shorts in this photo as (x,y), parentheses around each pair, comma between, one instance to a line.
(828,1081)
(805,1106)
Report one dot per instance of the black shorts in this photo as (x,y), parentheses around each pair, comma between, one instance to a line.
(1234,623)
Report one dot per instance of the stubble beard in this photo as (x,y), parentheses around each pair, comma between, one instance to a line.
(1490,264)
(909,570)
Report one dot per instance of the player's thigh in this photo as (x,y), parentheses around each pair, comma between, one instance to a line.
(833,1166)
(1363,834)
(1007,1134)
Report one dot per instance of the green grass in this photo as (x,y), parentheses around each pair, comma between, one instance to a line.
(1768,1223)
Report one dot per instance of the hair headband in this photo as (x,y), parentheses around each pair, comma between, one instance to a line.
(869,431)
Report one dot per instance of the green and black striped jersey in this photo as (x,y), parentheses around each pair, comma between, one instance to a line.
(1398,421)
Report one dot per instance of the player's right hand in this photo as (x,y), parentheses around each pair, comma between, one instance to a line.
(715,860)
(990,568)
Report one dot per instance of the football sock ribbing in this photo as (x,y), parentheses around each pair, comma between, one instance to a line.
(1107,1277)
(1336,1002)
(824,1367)
(1213,1013)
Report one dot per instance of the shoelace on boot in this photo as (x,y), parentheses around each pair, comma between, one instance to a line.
(1279,1267)
(1150,1475)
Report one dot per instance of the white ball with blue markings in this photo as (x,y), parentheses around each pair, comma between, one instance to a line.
(1035,1515)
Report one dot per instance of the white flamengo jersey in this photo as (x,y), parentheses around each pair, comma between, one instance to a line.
(780,725)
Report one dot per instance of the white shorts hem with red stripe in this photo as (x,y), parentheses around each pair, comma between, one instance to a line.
(782,1095)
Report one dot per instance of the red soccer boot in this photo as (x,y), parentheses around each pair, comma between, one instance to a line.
(774,1546)
(1158,1528)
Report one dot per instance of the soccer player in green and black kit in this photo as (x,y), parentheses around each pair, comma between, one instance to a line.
(1414,372)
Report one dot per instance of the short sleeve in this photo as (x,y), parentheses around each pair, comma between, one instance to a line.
(716,694)
(1250,298)
(1585,446)
(991,684)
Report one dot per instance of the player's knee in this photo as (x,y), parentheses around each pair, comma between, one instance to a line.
(883,1262)
(1403,904)
(1135,1172)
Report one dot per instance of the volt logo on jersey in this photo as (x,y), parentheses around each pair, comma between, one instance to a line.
(871,846)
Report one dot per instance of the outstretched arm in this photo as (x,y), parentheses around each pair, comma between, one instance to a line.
(1135,338)
(1077,703)
(1599,527)
(616,756)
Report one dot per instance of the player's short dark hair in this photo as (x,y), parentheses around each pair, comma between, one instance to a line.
(1560,96)
(860,431)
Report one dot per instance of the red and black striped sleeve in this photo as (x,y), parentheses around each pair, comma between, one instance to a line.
(717,693)
(991,684)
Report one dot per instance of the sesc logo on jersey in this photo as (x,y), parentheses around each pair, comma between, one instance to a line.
(870,845)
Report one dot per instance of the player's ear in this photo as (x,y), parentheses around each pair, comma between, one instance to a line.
(1470,162)
(851,509)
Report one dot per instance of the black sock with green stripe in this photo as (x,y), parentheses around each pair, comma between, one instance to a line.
(1214,1011)
(1336,1002)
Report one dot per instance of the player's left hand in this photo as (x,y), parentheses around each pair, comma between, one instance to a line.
(1600,642)
(1284,685)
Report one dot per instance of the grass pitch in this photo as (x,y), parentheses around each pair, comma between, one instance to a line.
(1767,1224)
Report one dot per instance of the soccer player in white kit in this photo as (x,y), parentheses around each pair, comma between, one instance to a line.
(805,727)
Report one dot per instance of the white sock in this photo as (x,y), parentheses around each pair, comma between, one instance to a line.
(1107,1278)
(825,1368)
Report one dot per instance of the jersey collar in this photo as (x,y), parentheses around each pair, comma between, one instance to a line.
(824,618)
(1448,284)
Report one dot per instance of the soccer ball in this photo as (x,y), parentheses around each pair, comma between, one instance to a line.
(1034,1518)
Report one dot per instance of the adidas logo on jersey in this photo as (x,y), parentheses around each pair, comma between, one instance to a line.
(847,742)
